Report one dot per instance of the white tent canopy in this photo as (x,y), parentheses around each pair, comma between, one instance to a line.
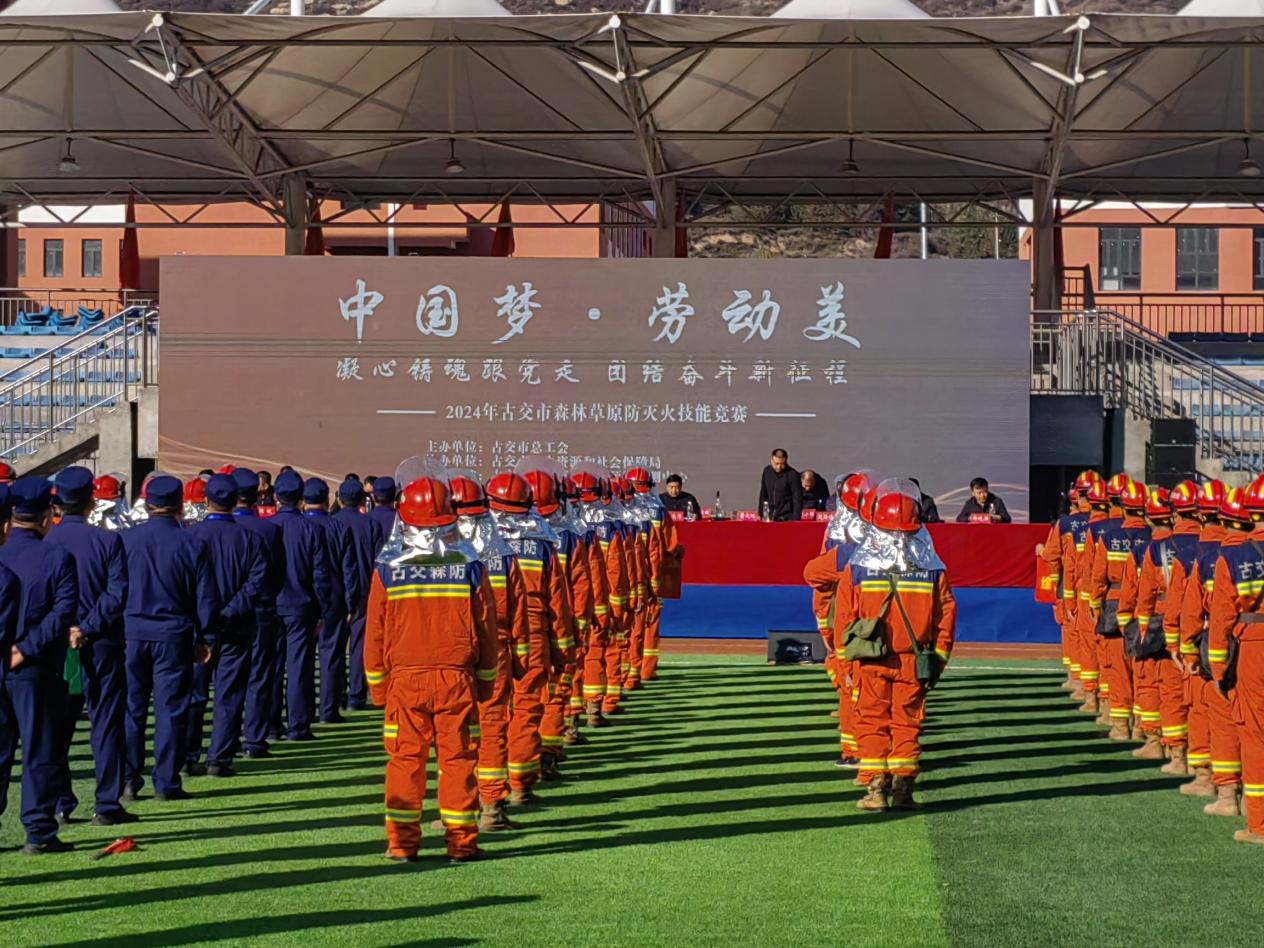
(60,7)
(851,10)
(1223,8)
(448,8)
(629,108)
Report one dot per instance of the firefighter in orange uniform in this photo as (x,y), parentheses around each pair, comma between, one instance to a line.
(1236,654)
(1119,547)
(612,538)
(638,528)
(477,528)
(1195,601)
(1085,535)
(663,545)
(896,577)
(823,574)
(430,655)
(1060,553)
(1167,562)
(587,491)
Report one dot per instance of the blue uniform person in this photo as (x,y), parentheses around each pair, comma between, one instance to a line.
(385,494)
(238,566)
(101,568)
(342,576)
(170,609)
(263,686)
(33,693)
(364,538)
(305,598)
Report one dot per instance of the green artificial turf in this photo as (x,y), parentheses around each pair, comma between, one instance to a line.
(711,814)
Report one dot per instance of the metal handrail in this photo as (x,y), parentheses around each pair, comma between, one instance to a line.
(86,336)
(40,409)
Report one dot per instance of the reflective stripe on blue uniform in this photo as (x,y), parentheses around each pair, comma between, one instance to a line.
(364,539)
(33,695)
(171,605)
(101,568)
(264,685)
(305,598)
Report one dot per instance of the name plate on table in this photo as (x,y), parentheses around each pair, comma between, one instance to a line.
(677,515)
(746,516)
(980,518)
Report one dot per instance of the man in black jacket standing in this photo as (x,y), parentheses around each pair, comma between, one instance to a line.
(780,489)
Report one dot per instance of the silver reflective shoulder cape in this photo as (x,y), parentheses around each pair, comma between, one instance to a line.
(901,552)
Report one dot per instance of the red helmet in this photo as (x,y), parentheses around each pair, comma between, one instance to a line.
(106,487)
(543,491)
(426,503)
(1133,497)
(1086,480)
(1117,484)
(867,501)
(195,491)
(7,474)
(854,487)
(640,480)
(1157,505)
(586,486)
(1232,509)
(1097,493)
(622,487)
(1253,497)
(1073,495)
(1184,497)
(1210,497)
(509,492)
(226,469)
(467,496)
(896,511)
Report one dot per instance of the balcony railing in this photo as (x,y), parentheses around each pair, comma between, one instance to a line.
(1219,316)
(14,300)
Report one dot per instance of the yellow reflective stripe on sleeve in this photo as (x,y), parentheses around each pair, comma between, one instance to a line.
(1218,654)
(1210,585)
(618,600)
(374,677)
(651,653)
(1189,648)
(1068,594)
(601,610)
(486,674)
(1124,618)
(568,642)
(942,654)
(390,730)
(1171,638)
(581,624)
(1253,586)
(522,649)
(1079,547)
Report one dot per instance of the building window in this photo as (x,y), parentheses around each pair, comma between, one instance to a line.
(92,258)
(1197,258)
(21,258)
(1119,258)
(1257,266)
(54,258)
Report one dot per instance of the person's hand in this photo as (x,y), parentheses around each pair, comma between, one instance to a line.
(77,638)
(16,658)
(996,518)
(201,653)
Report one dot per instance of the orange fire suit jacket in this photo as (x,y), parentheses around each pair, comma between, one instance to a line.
(1159,591)
(1238,594)
(552,627)
(1085,612)
(1116,550)
(440,615)
(1200,583)
(513,624)
(599,583)
(572,555)
(927,598)
(615,567)
(823,573)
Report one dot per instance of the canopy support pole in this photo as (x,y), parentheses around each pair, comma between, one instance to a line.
(665,221)
(295,196)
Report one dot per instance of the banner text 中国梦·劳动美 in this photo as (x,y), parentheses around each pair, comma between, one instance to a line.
(704,365)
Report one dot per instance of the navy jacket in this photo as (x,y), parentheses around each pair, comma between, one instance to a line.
(171,594)
(49,599)
(384,517)
(101,567)
(272,544)
(342,578)
(307,590)
(10,607)
(364,538)
(238,567)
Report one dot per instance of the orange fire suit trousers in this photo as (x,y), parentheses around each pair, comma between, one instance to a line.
(1226,748)
(1199,754)
(636,646)
(616,654)
(493,743)
(848,695)
(553,721)
(1090,668)
(529,693)
(1117,674)
(595,664)
(889,715)
(425,704)
(575,703)
(1249,706)
(1146,708)
(1173,705)
(650,650)
(1070,646)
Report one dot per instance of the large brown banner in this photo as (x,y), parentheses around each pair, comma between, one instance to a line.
(699,367)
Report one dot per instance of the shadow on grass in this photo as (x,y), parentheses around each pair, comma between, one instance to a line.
(247,928)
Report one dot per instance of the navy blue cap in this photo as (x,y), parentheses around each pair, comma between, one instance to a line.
(221,490)
(384,490)
(30,496)
(247,482)
(164,491)
(315,491)
(289,487)
(5,509)
(351,492)
(74,487)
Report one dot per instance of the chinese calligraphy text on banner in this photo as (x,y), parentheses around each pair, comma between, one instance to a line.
(694,366)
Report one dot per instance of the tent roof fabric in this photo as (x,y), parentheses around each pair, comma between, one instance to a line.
(621,108)
(59,7)
(446,8)
(1222,8)
(851,10)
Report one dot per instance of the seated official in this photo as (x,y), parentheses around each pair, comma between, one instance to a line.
(983,506)
(675,498)
(816,494)
(930,512)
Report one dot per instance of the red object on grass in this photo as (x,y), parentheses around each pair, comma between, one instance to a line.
(124,845)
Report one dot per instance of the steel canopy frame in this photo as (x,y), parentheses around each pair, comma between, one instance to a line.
(694,112)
